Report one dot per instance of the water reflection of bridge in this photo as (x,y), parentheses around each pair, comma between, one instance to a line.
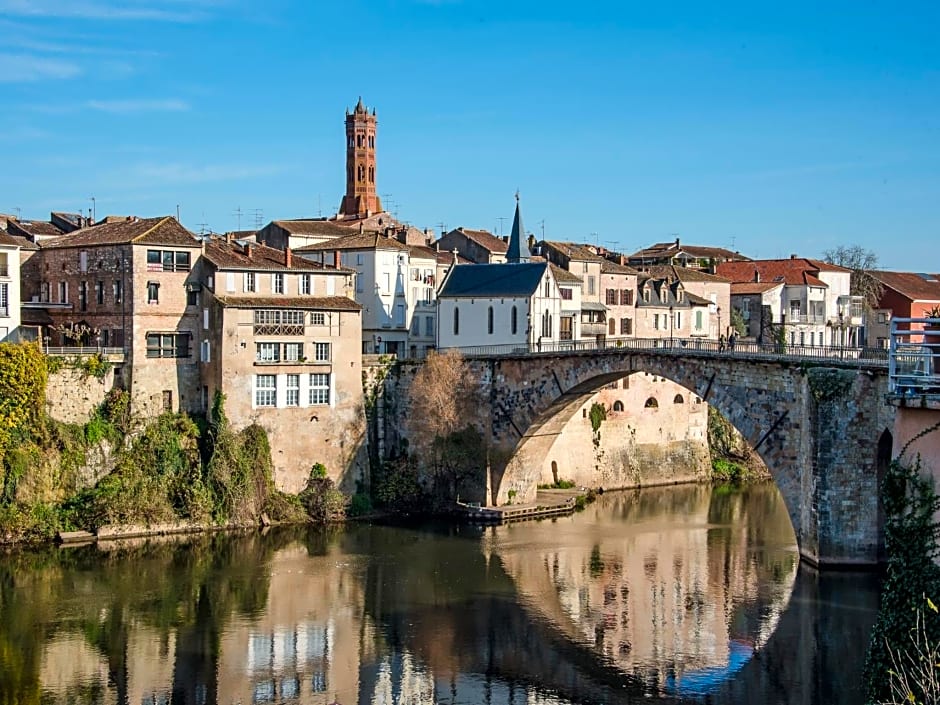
(534,613)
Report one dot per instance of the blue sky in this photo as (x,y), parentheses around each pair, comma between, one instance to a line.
(775,128)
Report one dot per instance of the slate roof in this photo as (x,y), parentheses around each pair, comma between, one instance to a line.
(911,285)
(335,303)
(517,250)
(357,241)
(485,239)
(137,231)
(685,274)
(304,226)
(669,298)
(493,280)
(795,271)
(230,255)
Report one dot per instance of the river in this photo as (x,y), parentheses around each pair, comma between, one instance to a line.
(678,594)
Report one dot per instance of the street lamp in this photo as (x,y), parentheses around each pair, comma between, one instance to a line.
(718,310)
(841,335)
(670,326)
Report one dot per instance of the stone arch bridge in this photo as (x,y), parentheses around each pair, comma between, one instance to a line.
(822,427)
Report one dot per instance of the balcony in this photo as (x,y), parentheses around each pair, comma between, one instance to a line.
(594,328)
(806,319)
(913,361)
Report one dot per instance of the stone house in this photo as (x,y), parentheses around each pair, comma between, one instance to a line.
(619,284)
(756,301)
(477,246)
(281,234)
(715,290)
(666,310)
(585,264)
(386,287)
(9,287)
(280,337)
(816,307)
(127,283)
(697,257)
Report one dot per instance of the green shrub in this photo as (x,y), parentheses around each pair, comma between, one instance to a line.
(360,505)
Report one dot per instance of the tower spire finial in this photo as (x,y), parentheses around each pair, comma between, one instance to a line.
(518,250)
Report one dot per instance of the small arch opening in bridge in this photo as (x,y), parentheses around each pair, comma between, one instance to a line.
(618,405)
(678,399)
(651,403)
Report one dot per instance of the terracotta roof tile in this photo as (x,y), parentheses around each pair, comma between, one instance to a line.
(138,231)
(662,250)
(33,228)
(486,240)
(335,303)
(357,241)
(572,250)
(563,275)
(608,267)
(230,255)
(11,241)
(685,274)
(911,285)
(795,271)
(304,226)
(753,287)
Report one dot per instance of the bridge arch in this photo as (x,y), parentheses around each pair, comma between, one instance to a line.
(813,426)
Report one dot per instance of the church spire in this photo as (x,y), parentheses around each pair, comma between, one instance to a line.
(518,249)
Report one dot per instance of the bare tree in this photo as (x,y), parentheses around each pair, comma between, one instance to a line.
(442,408)
(862,262)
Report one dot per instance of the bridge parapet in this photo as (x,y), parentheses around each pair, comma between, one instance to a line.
(914,363)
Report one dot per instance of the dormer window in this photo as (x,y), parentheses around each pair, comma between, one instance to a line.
(679,291)
(646,294)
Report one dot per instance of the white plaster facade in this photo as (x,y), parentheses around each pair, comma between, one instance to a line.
(9,288)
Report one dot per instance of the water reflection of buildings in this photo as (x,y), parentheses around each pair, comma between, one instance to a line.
(667,603)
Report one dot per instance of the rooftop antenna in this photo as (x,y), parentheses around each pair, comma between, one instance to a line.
(94,211)
(203,227)
(732,243)
(443,228)
(501,219)
(542,225)
(594,235)
(319,207)
(177,212)
(238,214)
(17,209)
(258,216)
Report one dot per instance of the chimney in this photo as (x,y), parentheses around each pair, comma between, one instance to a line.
(336,259)
(792,256)
(756,276)
(287,257)
(229,237)
(677,243)
(622,260)
(248,250)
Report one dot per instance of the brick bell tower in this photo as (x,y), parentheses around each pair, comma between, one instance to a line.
(360,198)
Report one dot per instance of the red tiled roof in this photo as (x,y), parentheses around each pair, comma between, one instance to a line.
(335,303)
(608,267)
(486,240)
(572,250)
(230,255)
(563,275)
(753,287)
(137,231)
(671,249)
(357,241)
(9,240)
(911,285)
(685,274)
(795,271)
(323,228)
(34,228)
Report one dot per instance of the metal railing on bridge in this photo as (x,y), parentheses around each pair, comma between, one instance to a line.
(60,351)
(914,357)
(869,357)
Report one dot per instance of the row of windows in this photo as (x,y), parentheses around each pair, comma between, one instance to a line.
(117,292)
(166,261)
(490,321)
(290,352)
(268,386)
(428,326)
(622,297)
(279,280)
(626,326)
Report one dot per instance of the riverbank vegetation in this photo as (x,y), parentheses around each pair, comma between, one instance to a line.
(115,469)
(908,627)
(732,459)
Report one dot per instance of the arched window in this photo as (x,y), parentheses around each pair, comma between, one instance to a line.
(514,320)
(678,399)
(489,320)
(358,140)
(651,403)
(618,405)
(548,288)
(456,321)
(351,143)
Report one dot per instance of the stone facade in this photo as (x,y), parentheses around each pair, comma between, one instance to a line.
(655,433)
